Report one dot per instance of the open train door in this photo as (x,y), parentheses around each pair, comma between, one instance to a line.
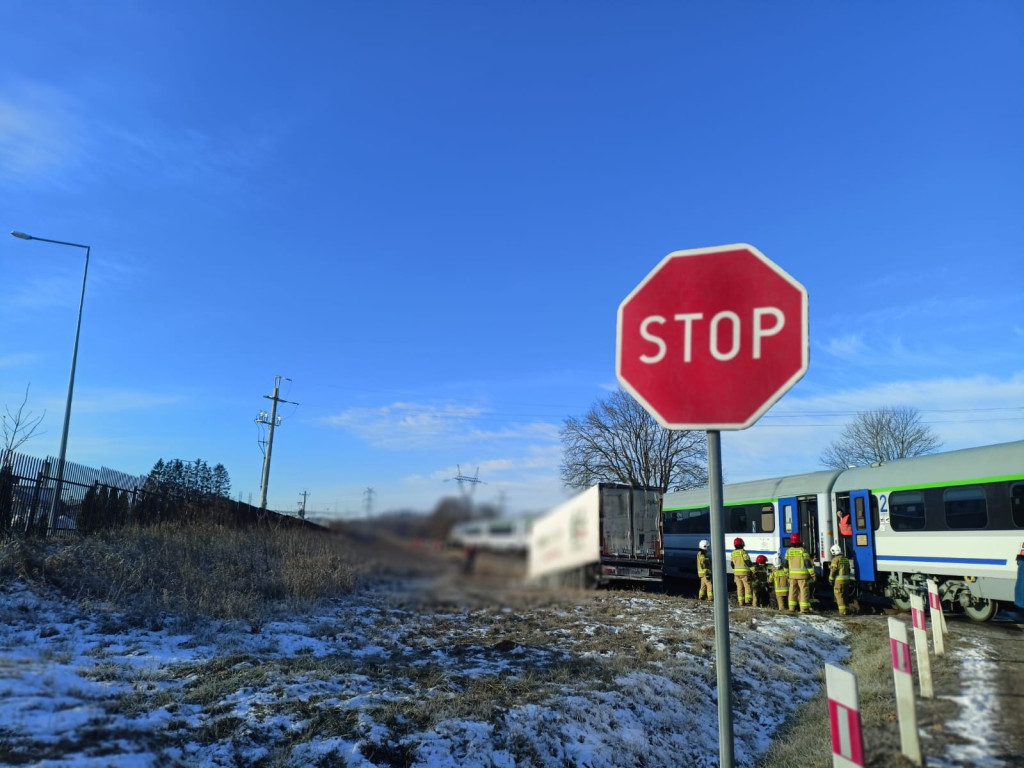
(863,539)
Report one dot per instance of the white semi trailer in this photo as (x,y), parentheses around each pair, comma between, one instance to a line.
(609,532)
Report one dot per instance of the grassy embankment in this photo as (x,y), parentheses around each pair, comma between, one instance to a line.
(189,571)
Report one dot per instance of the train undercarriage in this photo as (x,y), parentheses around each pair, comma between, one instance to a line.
(955,594)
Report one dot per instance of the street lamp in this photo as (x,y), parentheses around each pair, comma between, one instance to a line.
(59,486)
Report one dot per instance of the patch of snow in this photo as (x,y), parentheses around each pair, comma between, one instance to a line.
(338,686)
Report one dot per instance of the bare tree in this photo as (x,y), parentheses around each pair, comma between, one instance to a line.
(18,426)
(883,434)
(618,441)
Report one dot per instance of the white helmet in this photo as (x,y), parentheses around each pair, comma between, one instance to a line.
(703,545)
(836,550)
(777,562)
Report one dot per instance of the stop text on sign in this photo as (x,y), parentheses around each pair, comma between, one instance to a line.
(730,335)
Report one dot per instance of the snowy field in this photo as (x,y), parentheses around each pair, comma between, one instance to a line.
(377,679)
(392,679)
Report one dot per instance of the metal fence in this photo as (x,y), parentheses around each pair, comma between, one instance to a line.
(95,499)
(27,485)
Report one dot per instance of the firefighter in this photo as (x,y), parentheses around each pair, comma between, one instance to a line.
(741,573)
(801,575)
(840,576)
(759,582)
(704,570)
(780,580)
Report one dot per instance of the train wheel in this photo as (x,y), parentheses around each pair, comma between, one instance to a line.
(981,610)
(903,603)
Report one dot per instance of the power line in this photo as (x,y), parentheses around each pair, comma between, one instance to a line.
(954,421)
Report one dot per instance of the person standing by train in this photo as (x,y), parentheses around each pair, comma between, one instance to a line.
(741,573)
(470,559)
(780,581)
(840,576)
(845,528)
(760,582)
(704,571)
(801,574)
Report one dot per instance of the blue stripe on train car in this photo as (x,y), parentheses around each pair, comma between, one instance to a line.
(959,560)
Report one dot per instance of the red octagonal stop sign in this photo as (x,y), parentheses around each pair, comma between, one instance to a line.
(712,337)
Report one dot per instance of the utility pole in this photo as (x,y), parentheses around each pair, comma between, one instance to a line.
(463,480)
(272,420)
(302,505)
(368,493)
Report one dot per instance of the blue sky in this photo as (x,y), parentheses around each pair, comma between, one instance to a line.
(425,215)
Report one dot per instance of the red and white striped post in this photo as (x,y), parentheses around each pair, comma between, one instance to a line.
(902,673)
(938,618)
(844,715)
(924,665)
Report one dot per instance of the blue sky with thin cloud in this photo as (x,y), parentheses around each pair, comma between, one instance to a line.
(424,217)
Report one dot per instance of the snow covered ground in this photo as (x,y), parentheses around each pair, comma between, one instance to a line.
(377,679)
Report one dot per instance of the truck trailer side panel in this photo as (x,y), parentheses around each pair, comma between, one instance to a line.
(609,531)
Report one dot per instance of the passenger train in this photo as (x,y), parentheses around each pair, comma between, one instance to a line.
(955,517)
(511,535)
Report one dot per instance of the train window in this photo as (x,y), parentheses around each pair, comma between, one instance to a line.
(749,518)
(501,529)
(700,521)
(965,507)
(767,518)
(1017,504)
(738,520)
(858,513)
(687,521)
(906,510)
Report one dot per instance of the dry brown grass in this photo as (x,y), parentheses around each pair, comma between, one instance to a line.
(189,571)
(805,738)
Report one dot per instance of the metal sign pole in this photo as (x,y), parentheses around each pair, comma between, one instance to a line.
(723,663)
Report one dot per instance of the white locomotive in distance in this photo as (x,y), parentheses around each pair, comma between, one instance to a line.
(955,517)
(506,534)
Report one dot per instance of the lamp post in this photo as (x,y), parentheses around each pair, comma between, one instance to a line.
(59,486)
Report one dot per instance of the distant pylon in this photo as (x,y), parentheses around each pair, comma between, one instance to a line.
(464,481)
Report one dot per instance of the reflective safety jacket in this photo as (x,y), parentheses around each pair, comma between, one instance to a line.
(840,570)
(740,561)
(703,565)
(798,563)
(759,575)
(780,578)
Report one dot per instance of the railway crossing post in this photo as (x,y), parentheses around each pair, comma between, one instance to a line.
(844,717)
(938,618)
(924,665)
(902,673)
(709,340)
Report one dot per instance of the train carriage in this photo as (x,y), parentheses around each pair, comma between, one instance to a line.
(764,513)
(510,535)
(955,517)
